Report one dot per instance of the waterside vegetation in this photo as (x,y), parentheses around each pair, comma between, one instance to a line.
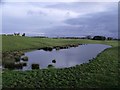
(101,72)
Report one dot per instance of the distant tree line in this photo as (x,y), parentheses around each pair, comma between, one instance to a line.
(15,34)
(39,37)
(88,37)
(99,38)
(67,37)
(102,38)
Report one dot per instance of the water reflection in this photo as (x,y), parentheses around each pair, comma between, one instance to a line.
(64,57)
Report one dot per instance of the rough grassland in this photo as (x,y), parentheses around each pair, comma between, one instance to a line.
(101,72)
(11,43)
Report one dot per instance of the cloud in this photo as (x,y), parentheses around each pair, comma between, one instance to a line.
(94,22)
(60,1)
(60,19)
(84,8)
(27,16)
(28,12)
(109,17)
(102,23)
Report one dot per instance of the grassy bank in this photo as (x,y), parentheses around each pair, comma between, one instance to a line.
(100,72)
(12,43)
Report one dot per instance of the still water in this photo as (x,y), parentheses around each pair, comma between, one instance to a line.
(64,57)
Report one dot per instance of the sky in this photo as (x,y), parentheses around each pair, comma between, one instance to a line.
(70,18)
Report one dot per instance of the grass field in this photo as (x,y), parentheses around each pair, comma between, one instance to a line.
(102,72)
(11,43)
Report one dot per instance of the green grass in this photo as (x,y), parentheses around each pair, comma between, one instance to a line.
(102,72)
(12,43)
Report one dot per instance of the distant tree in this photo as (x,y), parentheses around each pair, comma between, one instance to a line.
(88,37)
(18,34)
(109,38)
(23,34)
(14,34)
(99,38)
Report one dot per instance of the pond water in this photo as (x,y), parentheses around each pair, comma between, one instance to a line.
(64,57)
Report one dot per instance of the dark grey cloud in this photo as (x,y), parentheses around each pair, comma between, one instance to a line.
(105,23)
(61,19)
(109,20)
(100,23)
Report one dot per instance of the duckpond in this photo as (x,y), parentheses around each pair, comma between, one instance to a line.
(63,58)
